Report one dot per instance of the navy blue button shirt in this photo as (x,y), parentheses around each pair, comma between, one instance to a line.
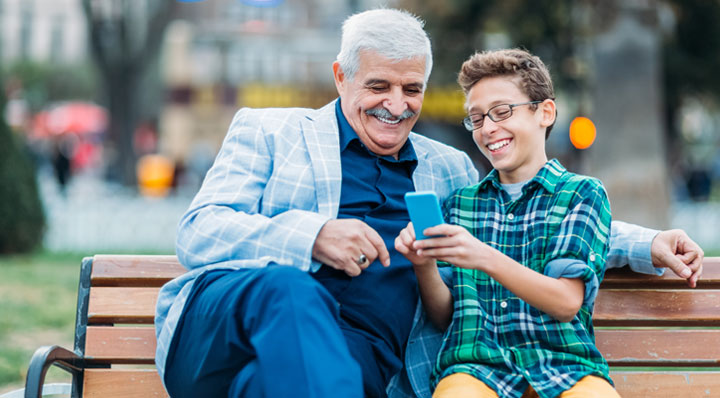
(381,301)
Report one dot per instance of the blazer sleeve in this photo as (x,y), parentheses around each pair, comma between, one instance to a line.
(630,245)
(235,216)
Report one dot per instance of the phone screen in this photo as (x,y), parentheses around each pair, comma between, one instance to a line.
(424,210)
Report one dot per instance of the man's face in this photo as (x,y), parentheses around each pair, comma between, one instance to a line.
(383,101)
(515,146)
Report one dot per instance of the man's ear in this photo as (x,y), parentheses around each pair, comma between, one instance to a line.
(339,76)
(549,112)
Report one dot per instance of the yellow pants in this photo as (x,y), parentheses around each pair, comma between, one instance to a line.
(462,385)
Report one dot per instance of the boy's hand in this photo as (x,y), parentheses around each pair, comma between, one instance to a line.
(455,245)
(404,243)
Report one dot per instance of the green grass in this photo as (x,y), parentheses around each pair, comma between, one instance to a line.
(38,295)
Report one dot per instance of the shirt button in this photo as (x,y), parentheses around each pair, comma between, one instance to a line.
(511,216)
(592,257)
(503,304)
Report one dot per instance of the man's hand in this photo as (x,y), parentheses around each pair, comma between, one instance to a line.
(341,243)
(675,250)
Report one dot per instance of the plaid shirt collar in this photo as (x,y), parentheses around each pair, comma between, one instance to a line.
(548,177)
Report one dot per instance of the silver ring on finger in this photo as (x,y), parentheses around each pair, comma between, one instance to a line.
(362,259)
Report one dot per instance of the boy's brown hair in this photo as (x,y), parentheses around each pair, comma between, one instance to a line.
(533,77)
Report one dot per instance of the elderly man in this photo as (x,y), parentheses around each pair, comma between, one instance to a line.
(292,290)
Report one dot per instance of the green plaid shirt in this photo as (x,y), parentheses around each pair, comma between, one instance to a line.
(559,227)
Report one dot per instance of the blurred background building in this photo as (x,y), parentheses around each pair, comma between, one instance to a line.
(160,80)
(44,31)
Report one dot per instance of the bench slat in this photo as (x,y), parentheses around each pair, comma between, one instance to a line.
(649,347)
(666,384)
(615,307)
(121,345)
(109,305)
(122,383)
(625,278)
(638,347)
(150,270)
(138,271)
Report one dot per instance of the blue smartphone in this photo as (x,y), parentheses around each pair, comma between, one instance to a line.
(424,210)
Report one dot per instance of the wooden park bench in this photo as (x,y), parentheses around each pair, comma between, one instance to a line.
(661,338)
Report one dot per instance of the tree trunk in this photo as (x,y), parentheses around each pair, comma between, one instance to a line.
(122,59)
(121,90)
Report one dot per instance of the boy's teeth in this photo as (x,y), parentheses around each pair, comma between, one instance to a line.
(388,121)
(498,145)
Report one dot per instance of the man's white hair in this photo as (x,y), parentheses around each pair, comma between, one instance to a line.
(393,34)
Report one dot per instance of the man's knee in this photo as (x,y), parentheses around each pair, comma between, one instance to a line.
(292,284)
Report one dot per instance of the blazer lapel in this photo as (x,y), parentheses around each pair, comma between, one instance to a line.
(321,134)
(423,178)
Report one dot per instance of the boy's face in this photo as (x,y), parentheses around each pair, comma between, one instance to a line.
(515,146)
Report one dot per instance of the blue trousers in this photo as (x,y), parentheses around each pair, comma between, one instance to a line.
(270,332)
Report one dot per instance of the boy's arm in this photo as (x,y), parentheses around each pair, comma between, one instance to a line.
(579,246)
(560,298)
(435,295)
(575,255)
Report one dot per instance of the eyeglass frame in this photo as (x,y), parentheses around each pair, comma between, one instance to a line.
(470,126)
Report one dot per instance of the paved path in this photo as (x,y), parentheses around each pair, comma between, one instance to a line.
(96,217)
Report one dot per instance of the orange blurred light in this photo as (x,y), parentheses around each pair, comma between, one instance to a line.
(582,132)
(155,175)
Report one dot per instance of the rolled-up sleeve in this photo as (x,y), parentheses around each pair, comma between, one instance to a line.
(572,268)
(579,245)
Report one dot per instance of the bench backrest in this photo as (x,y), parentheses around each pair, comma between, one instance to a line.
(659,336)
(114,329)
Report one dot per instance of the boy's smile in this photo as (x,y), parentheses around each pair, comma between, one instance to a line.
(495,147)
(515,146)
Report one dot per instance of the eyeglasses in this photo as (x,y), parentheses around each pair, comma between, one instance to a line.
(496,113)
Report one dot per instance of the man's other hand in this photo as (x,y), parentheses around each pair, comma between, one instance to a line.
(675,250)
(342,243)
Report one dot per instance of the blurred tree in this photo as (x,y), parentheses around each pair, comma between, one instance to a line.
(691,60)
(560,32)
(22,220)
(455,28)
(552,29)
(460,27)
(125,36)
(44,82)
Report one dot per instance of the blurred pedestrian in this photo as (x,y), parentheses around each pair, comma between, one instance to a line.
(61,155)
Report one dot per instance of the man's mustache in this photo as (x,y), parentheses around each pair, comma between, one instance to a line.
(385,114)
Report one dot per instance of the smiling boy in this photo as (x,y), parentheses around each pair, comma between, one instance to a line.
(528,245)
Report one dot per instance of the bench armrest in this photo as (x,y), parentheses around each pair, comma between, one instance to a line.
(41,361)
